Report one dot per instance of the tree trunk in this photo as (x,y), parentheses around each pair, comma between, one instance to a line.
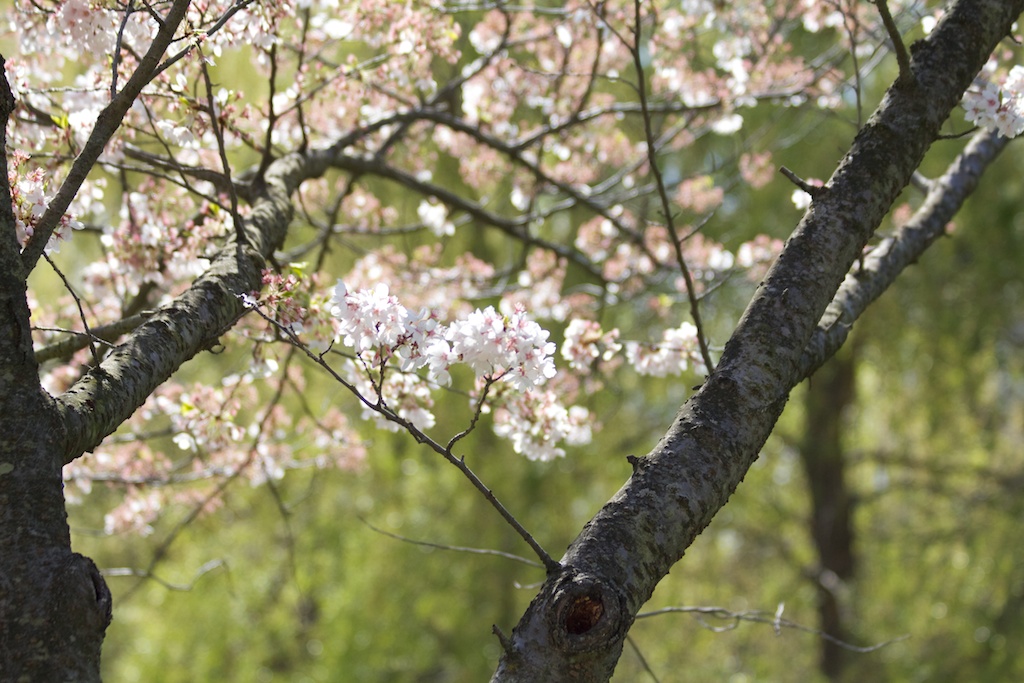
(574,629)
(54,605)
(830,392)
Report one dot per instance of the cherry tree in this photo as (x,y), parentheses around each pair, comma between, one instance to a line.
(481,209)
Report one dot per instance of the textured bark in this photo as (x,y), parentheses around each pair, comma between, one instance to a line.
(613,566)
(107,395)
(883,265)
(54,606)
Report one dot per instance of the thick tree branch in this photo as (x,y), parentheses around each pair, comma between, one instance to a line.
(884,264)
(575,627)
(16,338)
(106,396)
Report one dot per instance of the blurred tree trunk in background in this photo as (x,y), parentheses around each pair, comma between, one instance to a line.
(830,393)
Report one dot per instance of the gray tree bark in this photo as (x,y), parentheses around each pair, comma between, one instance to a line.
(54,604)
(575,627)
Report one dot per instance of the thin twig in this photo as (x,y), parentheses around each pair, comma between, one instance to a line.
(640,656)
(813,190)
(218,133)
(116,62)
(81,311)
(476,416)
(851,24)
(268,141)
(902,58)
(380,406)
(456,548)
(762,617)
(652,156)
(147,574)
(79,340)
(506,644)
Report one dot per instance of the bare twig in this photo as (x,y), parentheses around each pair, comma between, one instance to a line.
(218,133)
(268,155)
(666,206)
(763,617)
(813,190)
(198,172)
(902,57)
(116,62)
(851,24)
(81,311)
(506,644)
(79,340)
(476,416)
(456,548)
(643,660)
(147,574)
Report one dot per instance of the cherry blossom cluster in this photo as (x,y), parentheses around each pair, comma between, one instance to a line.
(509,354)
(518,115)
(675,353)
(29,197)
(283,292)
(495,346)
(989,105)
(536,423)
(585,343)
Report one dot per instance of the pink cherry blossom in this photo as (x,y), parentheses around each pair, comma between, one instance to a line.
(674,354)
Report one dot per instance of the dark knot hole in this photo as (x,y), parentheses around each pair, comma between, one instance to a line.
(583,614)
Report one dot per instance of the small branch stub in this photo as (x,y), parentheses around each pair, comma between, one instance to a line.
(813,190)
(506,644)
(902,58)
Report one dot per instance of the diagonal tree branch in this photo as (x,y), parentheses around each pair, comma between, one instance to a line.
(107,395)
(575,627)
(107,123)
(884,264)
